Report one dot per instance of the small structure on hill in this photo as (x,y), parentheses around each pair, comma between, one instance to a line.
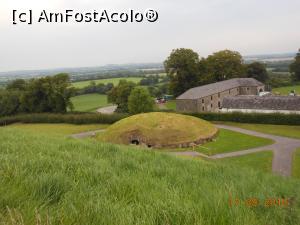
(208,98)
(160,130)
(264,104)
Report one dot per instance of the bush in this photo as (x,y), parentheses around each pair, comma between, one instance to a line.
(72,118)
(262,118)
(140,101)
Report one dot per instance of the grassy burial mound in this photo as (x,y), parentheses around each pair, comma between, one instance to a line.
(160,130)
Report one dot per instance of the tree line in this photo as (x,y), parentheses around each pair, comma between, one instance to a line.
(48,94)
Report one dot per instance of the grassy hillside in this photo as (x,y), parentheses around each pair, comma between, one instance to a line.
(287,90)
(89,102)
(53,180)
(281,130)
(115,81)
(296,163)
(229,141)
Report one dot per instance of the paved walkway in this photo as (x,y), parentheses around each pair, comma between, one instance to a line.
(283,149)
(107,109)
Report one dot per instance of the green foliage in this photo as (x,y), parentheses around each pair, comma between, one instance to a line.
(78,118)
(224,65)
(94,87)
(257,71)
(260,118)
(140,101)
(182,67)
(295,67)
(114,81)
(119,95)
(54,180)
(287,90)
(47,94)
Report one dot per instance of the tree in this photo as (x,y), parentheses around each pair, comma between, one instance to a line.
(9,102)
(257,71)
(119,95)
(18,84)
(295,67)
(140,101)
(224,65)
(182,68)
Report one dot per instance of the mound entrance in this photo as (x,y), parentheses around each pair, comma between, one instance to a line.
(160,130)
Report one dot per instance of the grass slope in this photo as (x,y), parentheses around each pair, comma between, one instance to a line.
(159,128)
(259,161)
(65,181)
(89,102)
(281,130)
(230,141)
(57,129)
(115,81)
(296,164)
(287,90)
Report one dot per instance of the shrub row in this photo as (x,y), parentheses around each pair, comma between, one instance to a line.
(260,118)
(72,118)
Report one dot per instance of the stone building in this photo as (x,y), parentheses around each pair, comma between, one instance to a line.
(265,104)
(208,98)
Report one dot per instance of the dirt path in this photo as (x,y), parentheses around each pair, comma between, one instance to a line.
(86,134)
(283,149)
(107,109)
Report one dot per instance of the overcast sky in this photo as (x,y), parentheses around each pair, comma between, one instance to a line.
(247,26)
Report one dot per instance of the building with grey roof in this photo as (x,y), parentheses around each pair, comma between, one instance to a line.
(264,104)
(209,98)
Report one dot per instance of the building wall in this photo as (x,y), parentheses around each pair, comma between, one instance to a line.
(213,103)
(260,111)
(186,105)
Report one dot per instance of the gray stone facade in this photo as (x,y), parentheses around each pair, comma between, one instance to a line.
(209,98)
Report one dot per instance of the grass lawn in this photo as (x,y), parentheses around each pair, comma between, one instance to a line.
(261,161)
(171,104)
(56,129)
(89,102)
(287,90)
(115,81)
(54,180)
(230,141)
(281,130)
(296,164)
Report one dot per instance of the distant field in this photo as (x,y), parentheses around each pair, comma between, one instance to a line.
(261,161)
(89,102)
(230,141)
(296,164)
(115,81)
(56,129)
(281,130)
(287,90)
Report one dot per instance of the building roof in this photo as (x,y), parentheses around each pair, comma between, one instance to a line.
(210,89)
(291,103)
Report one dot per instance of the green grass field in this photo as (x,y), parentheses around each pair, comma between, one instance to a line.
(56,180)
(281,130)
(115,81)
(171,105)
(56,129)
(259,161)
(230,141)
(287,90)
(89,102)
(296,164)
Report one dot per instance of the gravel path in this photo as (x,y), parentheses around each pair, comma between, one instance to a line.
(86,134)
(107,109)
(283,149)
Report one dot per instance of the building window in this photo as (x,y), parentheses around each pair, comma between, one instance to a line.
(219,95)
(211,105)
(247,89)
(202,100)
(229,91)
(211,97)
(219,105)
(202,108)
